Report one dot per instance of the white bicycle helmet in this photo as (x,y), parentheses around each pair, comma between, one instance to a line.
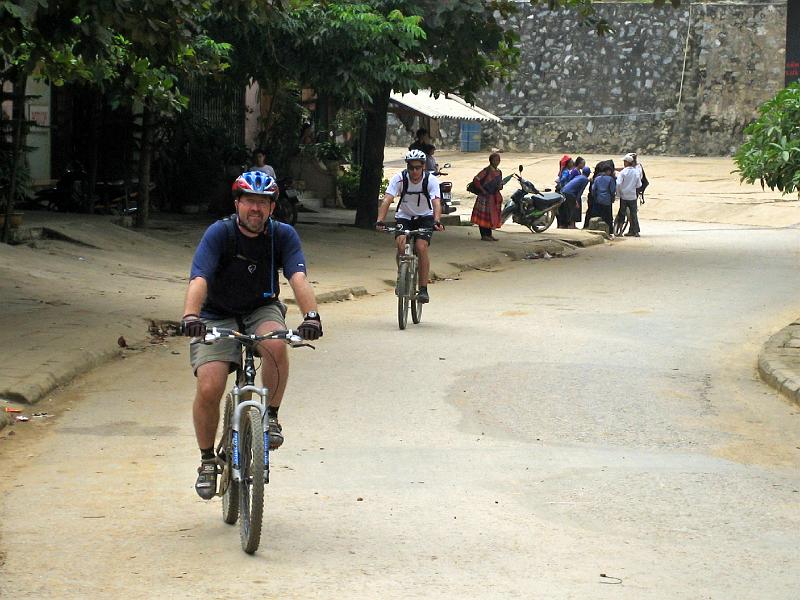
(416,155)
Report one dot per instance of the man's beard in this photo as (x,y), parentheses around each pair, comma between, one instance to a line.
(244,223)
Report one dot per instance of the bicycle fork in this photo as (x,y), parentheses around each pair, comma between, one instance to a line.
(237,415)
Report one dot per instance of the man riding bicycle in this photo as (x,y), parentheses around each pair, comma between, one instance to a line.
(234,284)
(419,208)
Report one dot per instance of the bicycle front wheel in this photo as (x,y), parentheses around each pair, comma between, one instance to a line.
(403,293)
(416,305)
(251,491)
(230,493)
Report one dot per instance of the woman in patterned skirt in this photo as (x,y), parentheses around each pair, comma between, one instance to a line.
(489,203)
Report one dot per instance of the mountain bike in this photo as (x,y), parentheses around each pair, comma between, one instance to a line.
(407,287)
(243,449)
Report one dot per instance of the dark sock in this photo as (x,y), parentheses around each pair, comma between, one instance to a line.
(272,411)
(206,453)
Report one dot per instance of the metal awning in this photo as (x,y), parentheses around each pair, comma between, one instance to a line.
(451,107)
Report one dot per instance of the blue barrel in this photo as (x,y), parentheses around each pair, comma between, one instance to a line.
(470,137)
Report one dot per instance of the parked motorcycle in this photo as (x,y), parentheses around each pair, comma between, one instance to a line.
(286,206)
(529,207)
(70,193)
(446,189)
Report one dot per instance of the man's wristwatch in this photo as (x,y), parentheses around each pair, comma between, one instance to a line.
(312,314)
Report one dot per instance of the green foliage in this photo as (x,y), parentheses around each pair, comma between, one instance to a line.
(195,166)
(328,151)
(771,153)
(350,51)
(280,130)
(348,182)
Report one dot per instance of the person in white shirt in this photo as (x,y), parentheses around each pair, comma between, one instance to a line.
(419,208)
(628,179)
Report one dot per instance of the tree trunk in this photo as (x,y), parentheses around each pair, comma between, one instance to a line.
(95,124)
(372,161)
(17,144)
(145,160)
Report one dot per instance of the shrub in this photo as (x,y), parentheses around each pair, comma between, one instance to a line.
(771,153)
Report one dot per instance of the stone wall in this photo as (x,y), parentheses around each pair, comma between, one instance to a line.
(647,88)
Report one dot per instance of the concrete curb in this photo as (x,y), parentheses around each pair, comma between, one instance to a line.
(32,392)
(779,361)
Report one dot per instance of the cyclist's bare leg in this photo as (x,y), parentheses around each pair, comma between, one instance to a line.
(211,380)
(400,242)
(424,262)
(275,362)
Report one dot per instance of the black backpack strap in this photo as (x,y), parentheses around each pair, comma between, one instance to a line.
(230,245)
(404,190)
(425,188)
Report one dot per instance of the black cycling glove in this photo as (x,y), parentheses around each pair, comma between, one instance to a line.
(311,327)
(192,326)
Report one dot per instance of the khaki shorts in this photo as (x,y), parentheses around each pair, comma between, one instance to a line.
(230,351)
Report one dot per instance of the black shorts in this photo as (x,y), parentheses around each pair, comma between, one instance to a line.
(418,223)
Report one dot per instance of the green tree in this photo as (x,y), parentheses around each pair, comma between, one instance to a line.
(134,51)
(771,152)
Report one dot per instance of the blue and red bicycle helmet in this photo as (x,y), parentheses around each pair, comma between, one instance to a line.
(255,182)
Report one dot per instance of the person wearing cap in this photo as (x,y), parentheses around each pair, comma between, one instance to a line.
(628,180)
(573,191)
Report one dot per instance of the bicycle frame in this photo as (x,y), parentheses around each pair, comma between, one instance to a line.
(409,255)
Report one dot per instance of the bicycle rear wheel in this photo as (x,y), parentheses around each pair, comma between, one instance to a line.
(403,294)
(416,305)
(230,494)
(251,492)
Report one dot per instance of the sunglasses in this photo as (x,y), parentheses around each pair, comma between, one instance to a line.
(415,167)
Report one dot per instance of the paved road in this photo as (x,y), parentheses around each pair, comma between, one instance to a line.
(546,424)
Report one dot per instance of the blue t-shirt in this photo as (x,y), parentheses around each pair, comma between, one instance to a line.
(244,276)
(576,186)
(563,178)
(604,187)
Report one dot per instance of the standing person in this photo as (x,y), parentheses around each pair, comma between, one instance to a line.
(565,164)
(628,181)
(234,284)
(489,203)
(260,163)
(573,191)
(580,162)
(604,188)
(430,162)
(421,140)
(419,208)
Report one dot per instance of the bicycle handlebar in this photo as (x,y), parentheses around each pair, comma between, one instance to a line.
(290,336)
(399,229)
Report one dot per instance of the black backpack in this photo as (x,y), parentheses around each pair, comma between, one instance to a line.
(232,250)
(640,190)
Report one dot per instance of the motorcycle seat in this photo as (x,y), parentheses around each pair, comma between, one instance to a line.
(546,199)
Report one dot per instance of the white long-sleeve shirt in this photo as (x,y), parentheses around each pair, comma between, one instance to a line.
(627,181)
